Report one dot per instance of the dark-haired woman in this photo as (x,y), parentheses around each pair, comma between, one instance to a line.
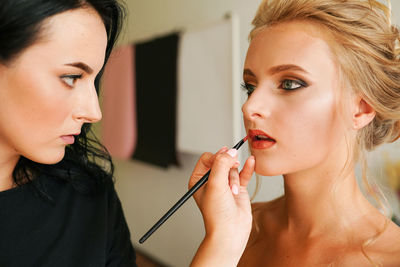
(58,206)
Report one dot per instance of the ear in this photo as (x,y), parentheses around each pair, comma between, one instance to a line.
(363,113)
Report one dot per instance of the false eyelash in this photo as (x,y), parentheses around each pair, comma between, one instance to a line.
(73,76)
(243,86)
(246,87)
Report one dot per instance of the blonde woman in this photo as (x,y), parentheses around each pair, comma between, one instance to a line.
(323,79)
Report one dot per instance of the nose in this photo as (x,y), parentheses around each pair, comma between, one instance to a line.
(88,109)
(256,106)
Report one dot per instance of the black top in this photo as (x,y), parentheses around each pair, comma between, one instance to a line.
(71,230)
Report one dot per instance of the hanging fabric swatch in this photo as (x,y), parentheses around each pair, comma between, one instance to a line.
(156,93)
(205,79)
(119,119)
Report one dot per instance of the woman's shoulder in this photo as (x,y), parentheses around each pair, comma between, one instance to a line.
(267,205)
(266,217)
(386,246)
(267,210)
(382,248)
(78,188)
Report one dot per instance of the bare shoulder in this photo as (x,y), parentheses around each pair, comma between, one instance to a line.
(387,245)
(270,209)
(266,216)
(382,249)
(392,233)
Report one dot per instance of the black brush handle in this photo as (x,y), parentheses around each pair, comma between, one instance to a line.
(183,199)
(175,207)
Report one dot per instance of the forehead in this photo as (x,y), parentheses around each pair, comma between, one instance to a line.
(71,36)
(299,43)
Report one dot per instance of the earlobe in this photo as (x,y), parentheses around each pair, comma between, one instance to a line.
(364,114)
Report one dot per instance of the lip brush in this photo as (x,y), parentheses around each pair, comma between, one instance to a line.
(183,199)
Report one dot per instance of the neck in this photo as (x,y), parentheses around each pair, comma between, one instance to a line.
(8,161)
(317,201)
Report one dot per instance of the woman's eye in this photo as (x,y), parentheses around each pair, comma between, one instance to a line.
(70,79)
(288,84)
(248,88)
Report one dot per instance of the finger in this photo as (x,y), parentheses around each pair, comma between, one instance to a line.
(203,165)
(247,171)
(234,181)
(219,176)
(222,150)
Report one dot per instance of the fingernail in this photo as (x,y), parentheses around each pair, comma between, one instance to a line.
(232,152)
(235,189)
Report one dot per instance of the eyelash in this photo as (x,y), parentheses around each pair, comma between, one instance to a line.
(72,76)
(249,88)
(299,82)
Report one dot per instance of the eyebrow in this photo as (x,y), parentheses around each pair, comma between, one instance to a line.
(277,69)
(81,66)
(248,72)
(280,68)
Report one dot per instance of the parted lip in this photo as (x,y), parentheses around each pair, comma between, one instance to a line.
(74,134)
(253,133)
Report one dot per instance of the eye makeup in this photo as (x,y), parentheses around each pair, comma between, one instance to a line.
(292,84)
(247,87)
(70,79)
(288,84)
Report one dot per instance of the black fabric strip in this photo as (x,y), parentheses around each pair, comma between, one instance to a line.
(156,100)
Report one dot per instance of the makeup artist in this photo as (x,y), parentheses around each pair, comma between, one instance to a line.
(58,206)
(323,84)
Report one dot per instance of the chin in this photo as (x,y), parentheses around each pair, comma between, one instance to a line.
(48,158)
(267,170)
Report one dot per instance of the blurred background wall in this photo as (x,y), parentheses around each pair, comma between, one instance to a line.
(147,192)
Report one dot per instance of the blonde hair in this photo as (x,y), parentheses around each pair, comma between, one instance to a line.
(366,51)
(365,47)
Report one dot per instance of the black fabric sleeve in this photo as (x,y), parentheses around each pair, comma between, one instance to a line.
(120,251)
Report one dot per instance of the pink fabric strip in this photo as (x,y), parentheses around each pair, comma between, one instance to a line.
(119,119)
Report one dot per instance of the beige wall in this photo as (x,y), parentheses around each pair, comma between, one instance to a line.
(148,192)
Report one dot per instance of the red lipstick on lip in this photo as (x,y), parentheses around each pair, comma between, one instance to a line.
(260,140)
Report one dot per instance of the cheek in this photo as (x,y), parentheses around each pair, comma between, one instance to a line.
(311,122)
(305,132)
(42,102)
(34,114)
